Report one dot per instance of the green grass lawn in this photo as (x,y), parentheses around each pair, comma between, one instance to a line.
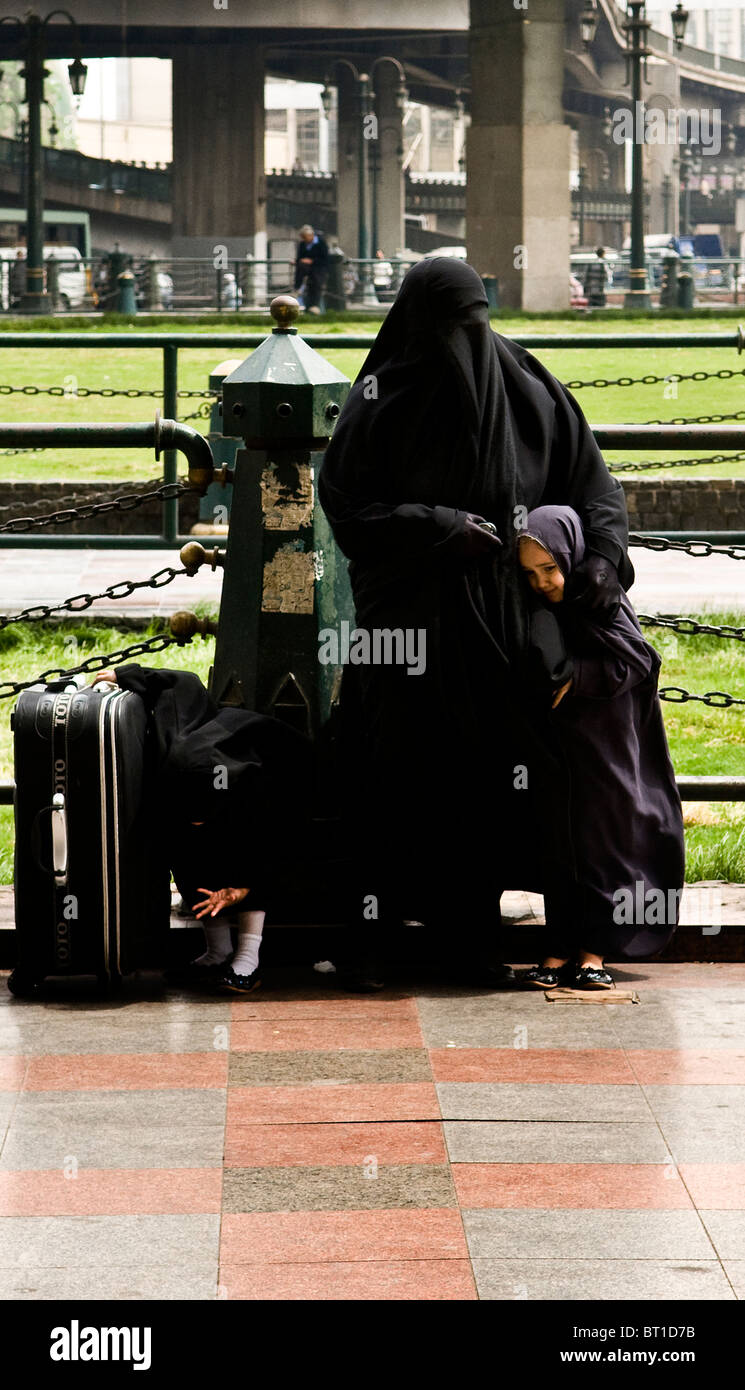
(703,741)
(123,369)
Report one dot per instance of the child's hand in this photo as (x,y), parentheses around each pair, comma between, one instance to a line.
(560,694)
(107,676)
(217,899)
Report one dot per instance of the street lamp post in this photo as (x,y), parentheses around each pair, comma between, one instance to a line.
(636,29)
(365,97)
(34,300)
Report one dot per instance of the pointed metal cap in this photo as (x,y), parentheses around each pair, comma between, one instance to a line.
(285,391)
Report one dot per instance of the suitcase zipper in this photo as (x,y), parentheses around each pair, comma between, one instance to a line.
(60,754)
(104,835)
(113,722)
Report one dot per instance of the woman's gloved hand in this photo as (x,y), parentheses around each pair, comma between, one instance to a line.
(595,586)
(479,537)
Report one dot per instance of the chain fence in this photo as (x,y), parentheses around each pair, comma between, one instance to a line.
(40,612)
(697,549)
(93,663)
(126,503)
(690,627)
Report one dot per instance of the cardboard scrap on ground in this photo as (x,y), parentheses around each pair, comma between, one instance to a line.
(592,996)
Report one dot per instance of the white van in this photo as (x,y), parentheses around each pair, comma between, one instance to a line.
(73,290)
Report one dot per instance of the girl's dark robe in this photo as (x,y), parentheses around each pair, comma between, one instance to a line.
(447,419)
(236,771)
(625,813)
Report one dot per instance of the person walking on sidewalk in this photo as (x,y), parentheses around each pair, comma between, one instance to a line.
(311,268)
(596,280)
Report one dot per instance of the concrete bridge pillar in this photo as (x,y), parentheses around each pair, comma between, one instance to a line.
(219,190)
(388,150)
(347,160)
(518,152)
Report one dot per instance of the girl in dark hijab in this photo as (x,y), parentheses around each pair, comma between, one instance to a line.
(451,434)
(625,818)
(223,780)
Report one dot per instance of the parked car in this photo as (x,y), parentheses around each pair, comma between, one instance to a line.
(73,290)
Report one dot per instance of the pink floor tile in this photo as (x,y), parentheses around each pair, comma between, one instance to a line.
(715,1186)
(410,1281)
(135,1072)
(686,1066)
(329,1145)
(303,1237)
(309,1104)
(591,1186)
(357,1006)
(112,1192)
(508,1064)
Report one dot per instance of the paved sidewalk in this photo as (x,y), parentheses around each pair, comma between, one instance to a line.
(666,583)
(428,1143)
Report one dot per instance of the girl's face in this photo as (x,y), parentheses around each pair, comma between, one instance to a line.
(541,571)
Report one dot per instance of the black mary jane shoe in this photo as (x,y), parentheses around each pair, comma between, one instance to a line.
(546,976)
(592,977)
(239,984)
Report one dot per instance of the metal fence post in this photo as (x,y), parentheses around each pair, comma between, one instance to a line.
(170,459)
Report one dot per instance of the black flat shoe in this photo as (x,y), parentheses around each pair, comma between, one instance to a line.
(239,984)
(592,977)
(547,976)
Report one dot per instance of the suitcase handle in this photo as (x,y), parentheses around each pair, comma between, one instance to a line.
(59,838)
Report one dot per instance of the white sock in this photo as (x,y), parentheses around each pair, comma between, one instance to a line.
(250,928)
(219,944)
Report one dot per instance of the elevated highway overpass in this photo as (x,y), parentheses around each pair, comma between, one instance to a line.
(521,74)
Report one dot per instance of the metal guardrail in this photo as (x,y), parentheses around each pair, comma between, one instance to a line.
(164,436)
(609,436)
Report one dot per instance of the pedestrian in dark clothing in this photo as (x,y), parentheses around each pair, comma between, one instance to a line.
(625,817)
(449,434)
(596,279)
(311,268)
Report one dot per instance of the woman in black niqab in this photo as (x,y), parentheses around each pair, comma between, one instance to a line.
(450,425)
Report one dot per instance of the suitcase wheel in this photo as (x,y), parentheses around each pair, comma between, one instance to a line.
(23,986)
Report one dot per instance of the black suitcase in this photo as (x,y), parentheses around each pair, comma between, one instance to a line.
(91,889)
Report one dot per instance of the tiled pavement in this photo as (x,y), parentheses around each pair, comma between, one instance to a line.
(429,1143)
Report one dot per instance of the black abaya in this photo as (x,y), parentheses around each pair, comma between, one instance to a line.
(448,419)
